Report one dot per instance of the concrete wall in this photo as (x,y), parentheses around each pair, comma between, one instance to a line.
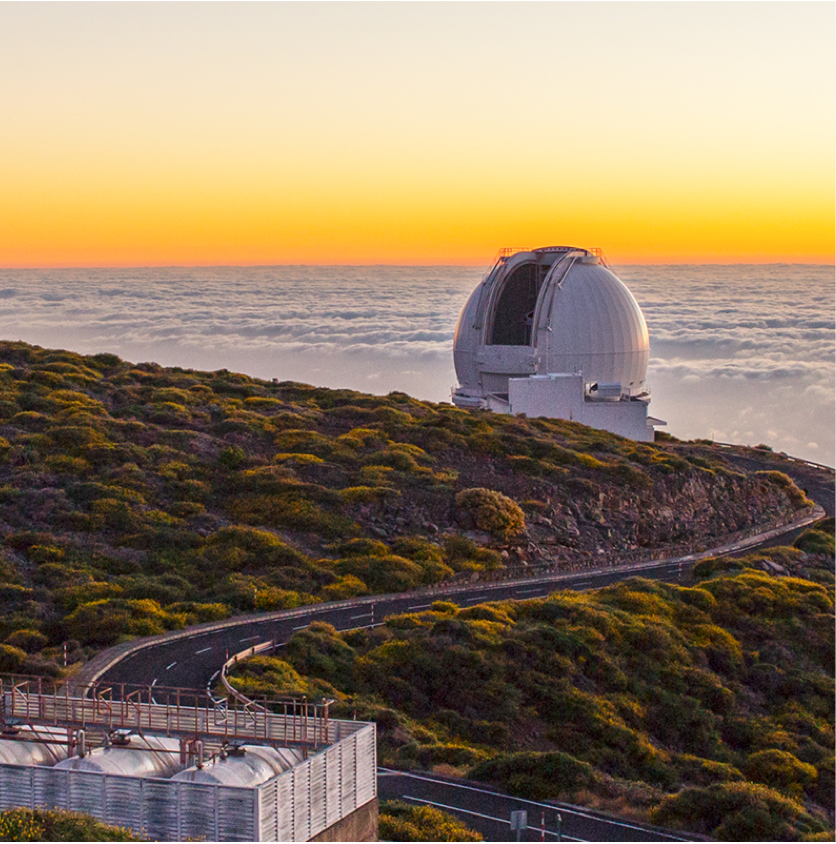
(360,825)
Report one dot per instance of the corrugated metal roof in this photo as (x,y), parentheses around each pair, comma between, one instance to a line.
(34,746)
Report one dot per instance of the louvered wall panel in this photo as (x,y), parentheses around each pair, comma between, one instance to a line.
(51,788)
(284,806)
(267,811)
(301,801)
(15,786)
(333,785)
(236,814)
(198,808)
(123,806)
(366,766)
(295,806)
(348,751)
(86,793)
(317,790)
(160,810)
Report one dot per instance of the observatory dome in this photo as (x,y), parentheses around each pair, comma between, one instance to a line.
(553,332)
(558,309)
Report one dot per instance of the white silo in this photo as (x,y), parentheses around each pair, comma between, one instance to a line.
(553,332)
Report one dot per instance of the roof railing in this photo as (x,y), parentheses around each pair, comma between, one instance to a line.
(286,722)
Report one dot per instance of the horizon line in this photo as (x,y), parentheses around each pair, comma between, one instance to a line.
(765,263)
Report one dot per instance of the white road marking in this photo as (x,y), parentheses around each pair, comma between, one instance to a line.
(203,651)
(555,807)
(302,627)
(248,639)
(155,682)
(420,607)
(169,667)
(486,817)
(365,615)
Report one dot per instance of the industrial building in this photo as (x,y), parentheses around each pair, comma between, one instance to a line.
(174,765)
(553,332)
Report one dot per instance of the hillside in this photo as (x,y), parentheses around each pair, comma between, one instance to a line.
(136,499)
(708,707)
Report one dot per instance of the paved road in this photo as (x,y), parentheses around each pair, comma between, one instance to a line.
(489,811)
(193,661)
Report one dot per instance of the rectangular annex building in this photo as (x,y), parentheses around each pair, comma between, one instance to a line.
(174,764)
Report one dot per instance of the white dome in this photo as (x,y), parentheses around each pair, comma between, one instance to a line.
(553,310)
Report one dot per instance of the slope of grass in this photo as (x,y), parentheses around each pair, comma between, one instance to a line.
(643,697)
(136,499)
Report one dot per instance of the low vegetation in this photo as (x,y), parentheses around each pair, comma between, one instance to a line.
(401,822)
(707,707)
(38,825)
(136,499)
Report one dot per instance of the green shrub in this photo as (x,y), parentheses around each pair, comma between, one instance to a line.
(695,770)
(107,621)
(388,573)
(816,542)
(401,822)
(785,482)
(492,511)
(27,640)
(781,771)
(40,825)
(537,776)
(463,553)
(12,659)
(739,811)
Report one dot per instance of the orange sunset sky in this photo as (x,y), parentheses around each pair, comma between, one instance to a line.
(141,134)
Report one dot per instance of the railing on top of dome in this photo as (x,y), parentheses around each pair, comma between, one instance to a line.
(600,255)
(506,252)
(502,255)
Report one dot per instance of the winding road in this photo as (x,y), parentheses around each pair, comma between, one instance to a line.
(193,659)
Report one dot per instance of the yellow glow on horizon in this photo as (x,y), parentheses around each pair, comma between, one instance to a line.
(186,134)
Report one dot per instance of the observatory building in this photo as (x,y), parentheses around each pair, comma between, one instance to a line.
(553,332)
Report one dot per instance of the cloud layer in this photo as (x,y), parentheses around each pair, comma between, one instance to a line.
(740,353)
(743,354)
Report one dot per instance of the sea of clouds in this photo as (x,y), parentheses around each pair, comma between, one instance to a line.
(738,353)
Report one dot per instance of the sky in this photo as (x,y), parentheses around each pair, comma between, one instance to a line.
(159,134)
